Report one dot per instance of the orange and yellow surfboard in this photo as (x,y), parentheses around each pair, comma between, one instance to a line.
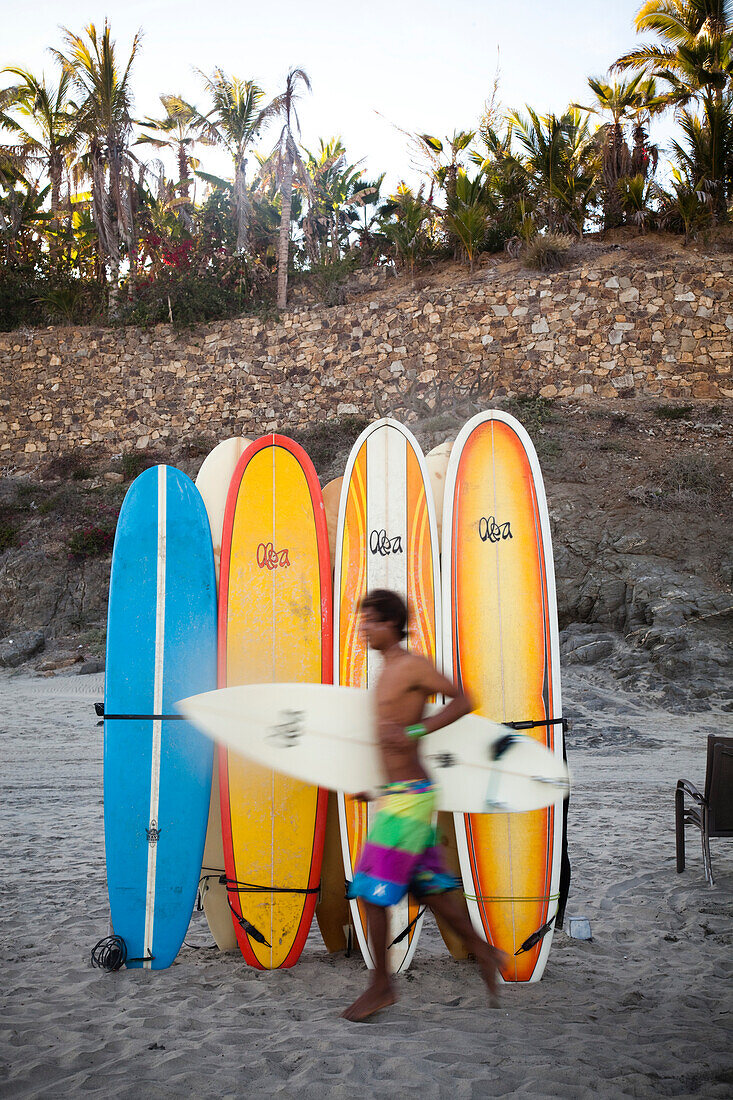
(275,625)
(501,642)
(386,538)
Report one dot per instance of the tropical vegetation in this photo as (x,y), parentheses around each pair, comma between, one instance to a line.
(94,228)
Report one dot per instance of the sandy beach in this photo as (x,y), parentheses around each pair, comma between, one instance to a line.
(645,1009)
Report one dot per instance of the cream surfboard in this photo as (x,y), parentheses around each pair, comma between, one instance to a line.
(501,642)
(331,498)
(274,625)
(386,538)
(436,462)
(212,481)
(326,736)
(332,912)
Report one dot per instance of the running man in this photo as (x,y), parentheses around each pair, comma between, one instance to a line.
(401,852)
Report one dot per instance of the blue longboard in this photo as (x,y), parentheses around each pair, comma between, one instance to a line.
(161,646)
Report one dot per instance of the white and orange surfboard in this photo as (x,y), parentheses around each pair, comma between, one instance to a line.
(275,625)
(386,538)
(500,639)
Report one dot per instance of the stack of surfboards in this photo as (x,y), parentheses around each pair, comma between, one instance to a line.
(277,843)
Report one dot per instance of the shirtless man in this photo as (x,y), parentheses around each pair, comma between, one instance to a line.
(401,851)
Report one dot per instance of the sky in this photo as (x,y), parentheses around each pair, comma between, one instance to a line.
(376,70)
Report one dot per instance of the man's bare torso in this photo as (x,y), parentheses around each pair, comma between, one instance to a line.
(400,697)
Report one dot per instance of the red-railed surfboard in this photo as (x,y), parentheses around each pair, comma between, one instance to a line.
(386,538)
(275,625)
(501,642)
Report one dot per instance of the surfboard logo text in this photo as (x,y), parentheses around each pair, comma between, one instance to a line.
(380,543)
(443,759)
(288,731)
(270,558)
(491,531)
(153,833)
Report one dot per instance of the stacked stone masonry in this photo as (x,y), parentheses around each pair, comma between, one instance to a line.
(666,333)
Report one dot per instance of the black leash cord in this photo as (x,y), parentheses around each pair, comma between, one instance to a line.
(235,887)
(111,954)
(406,931)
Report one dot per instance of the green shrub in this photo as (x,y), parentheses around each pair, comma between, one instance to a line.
(325,441)
(19,303)
(547,251)
(197,447)
(531,410)
(72,466)
(691,473)
(90,542)
(8,535)
(212,288)
(135,462)
(673,412)
(34,298)
(330,279)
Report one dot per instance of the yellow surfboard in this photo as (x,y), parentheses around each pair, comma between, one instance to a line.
(275,625)
(501,642)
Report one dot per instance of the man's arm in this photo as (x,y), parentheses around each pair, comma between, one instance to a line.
(433,682)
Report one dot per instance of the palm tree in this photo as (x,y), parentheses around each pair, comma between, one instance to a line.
(707,152)
(408,231)
(694,59)
(178,132)
(338,191)
(686,203)
(55,140)
(559,164)
(235,121)
(286,163)
(506,186)
(365,230)
(466,216)
(624,101)
(445,174)
(695,51)
(104,118)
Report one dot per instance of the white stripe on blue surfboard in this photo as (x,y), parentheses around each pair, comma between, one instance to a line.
(157,725)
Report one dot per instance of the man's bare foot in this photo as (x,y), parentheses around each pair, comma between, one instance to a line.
(379,995)
(490,961)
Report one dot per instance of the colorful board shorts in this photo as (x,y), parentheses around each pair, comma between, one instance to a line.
(401,852)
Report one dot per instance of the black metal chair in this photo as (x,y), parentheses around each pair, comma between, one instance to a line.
(711,812)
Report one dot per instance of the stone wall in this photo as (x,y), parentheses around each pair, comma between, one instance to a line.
(606,330)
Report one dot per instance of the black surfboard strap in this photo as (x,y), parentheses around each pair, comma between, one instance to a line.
(234,887)
(100,712)
(534,725)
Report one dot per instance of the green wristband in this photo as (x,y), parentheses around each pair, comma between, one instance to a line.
(418,730)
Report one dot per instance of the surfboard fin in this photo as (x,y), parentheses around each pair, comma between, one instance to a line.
(501,746)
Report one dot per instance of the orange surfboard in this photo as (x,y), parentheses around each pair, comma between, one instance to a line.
(501,642)
(275,625)
(386,539)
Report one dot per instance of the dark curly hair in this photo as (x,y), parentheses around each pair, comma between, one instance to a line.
(388,607)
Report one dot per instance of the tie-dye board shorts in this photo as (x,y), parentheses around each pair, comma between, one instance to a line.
(401,852)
